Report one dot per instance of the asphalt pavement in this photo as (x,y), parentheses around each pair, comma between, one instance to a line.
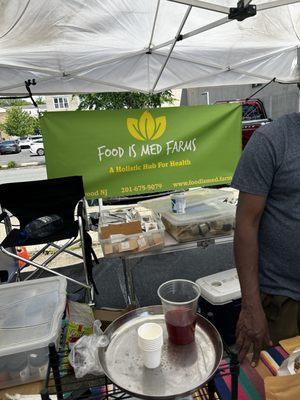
(23,157)
(22,174)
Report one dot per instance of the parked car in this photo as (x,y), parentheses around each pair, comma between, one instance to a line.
(37,147)
(25,142)
(254,116)
(9,147)
(35,137)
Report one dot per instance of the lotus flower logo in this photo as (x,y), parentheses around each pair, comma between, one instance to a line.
(146,127)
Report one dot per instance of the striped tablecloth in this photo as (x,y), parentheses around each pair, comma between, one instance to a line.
(251,380)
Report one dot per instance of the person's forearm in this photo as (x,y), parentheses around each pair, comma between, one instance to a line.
(252,326)
(246,259)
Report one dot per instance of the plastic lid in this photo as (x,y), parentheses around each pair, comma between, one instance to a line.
(30,313)
(220,288)
(192,197)
(202,212)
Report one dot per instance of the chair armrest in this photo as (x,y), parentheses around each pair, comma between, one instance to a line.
(3,215)
(80,209)
(82,214)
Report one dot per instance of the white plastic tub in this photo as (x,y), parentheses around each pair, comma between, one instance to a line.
(30,319)
(220,288)
(220,301)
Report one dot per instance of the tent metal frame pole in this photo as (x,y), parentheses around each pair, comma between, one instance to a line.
(154,25)
(204,5)
(208,27)
(225,10)
(194,32)
(161,45)
(215,24)
(187,13)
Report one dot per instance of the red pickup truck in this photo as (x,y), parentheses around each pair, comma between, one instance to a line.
(254,116)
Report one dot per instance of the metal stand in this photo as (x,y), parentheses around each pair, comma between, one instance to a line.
(132,300)
(234,372)
(131,297)
(54,363)
(90,387)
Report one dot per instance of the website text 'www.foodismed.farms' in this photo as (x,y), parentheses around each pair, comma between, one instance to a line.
(202,181)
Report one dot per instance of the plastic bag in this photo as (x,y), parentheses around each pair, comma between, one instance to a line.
(84,353)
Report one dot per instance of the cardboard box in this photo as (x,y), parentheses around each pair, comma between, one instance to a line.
(130,228)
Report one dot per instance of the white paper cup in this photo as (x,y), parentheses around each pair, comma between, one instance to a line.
(151,359)
(150,337)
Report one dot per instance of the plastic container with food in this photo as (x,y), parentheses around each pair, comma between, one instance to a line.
(204,220)
(192,197)
(132,231)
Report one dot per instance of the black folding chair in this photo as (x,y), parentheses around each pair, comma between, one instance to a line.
(28,201)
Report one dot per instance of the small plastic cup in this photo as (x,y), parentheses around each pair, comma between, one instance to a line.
(151,359)
(150,341)
(179,299)
(150,336)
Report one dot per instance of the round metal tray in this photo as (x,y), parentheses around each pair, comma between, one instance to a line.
(183,369)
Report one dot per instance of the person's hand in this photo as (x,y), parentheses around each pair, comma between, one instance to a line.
(252,329)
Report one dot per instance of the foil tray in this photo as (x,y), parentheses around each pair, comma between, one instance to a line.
(183,369)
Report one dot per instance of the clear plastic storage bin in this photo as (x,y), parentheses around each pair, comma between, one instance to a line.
(30,319)
(192,197)
(141,231)
(203,220)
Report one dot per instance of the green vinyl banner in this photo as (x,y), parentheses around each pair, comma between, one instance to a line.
(127,152)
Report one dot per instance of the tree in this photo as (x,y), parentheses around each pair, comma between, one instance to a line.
(115,100)
(40,100)
(13,102)
(20,123)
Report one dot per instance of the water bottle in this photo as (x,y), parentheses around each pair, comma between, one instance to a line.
(42,227)
(23,235)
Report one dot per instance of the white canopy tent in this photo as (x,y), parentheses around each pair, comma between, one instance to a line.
(77,46)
